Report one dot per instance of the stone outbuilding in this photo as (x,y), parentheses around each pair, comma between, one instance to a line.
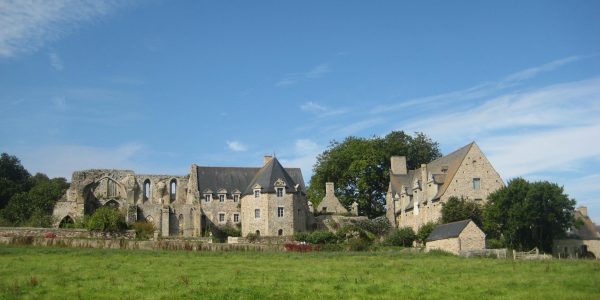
(330,203)
(456,237)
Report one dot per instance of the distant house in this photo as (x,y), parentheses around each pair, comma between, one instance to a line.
(580,241)
(330,203)
(415,197)
(455,237)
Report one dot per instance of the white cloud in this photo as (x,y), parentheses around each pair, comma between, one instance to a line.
(26,25)
(314,73)
(303,155)
(56,62)
(312,107)
(236,146)
(62,160)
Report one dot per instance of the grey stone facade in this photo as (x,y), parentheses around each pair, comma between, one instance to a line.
(191,204)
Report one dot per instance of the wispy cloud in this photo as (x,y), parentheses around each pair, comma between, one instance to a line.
(478,91)
(314,73)
(312,107)
(55,61)
(26,25)
(236,146)
(321,110)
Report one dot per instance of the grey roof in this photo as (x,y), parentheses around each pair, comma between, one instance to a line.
(446,231)
(238,178)
(587,231)
(450,163)
(268,174)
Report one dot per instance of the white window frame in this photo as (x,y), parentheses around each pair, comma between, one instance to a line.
(278,190)
(280,209)
(257,213)
(224,217)
(236,218)
(478,180)
(256,193)
(236,197)
(207,197)
(221,197)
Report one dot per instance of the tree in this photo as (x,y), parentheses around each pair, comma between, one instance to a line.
(106,219)
(461,209)
(13,178)
(359,167)
(528,215)
(400,237)
(424,231)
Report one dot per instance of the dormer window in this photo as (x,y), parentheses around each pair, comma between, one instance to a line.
(207,197)
(279,191)
(221,197)
(236,198)
(256,193)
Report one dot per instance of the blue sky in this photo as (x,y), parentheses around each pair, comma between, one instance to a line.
(154,86)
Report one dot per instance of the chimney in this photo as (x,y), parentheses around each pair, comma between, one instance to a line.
(267,159)
(398,164)
(582,210)
(329,189)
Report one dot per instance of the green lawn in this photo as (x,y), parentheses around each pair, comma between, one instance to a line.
(42,273)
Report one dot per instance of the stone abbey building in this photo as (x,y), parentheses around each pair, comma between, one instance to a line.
(268,200)
(415,197)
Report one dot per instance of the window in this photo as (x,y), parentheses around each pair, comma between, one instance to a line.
(173,189)
(147,189)
(207,197)
(256,193)
(221,217)
(476,183)
(257,213)
(112,188)
(221,198)
(280,232)
(236,198)
(324,209)
(258,233)
(236,218)
(279,192)
(280,212)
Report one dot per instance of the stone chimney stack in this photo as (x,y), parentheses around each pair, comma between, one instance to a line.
(267,159)
(583,210)
(398,165)
(329,189)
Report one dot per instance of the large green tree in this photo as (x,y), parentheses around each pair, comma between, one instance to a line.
(13,178)
(456,209)
(359,167)
(528,214)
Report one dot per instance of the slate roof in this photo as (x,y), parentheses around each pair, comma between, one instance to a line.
(446,231)
(587,231)
(268,174)
(240,178)
(450,162)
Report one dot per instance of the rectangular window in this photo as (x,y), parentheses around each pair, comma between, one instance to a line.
(280,212)
(236,198)
(256,193)
(221,198)
(476,183)
(236,218)
(207,197)
(221,217)
(279,192)
(257,213)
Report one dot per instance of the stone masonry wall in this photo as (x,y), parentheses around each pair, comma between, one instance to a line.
(451,245)
(472,238)
(63,233)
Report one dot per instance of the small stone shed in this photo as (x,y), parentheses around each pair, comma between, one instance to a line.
(455,237)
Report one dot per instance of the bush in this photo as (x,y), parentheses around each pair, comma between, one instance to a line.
(143,230)
(322,237)
(378,226)
(301,236)
(106,219)
(221,232)
(252,237)
(400,237)
(495,244)
(40,219)
(425,231)
(358,244)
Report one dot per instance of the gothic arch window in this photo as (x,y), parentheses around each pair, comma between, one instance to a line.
(66,222)
(173,189)
(112,204)
(146,189)
(111,188)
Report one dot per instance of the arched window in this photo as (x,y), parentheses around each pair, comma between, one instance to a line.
(173,189)
(112,188)
(146,189)
(112,204)
(258,233)
(280,232)
(66,222)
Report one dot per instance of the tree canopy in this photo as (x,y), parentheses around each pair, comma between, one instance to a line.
(456,209)
(29,200)
(528,214)
(359,167)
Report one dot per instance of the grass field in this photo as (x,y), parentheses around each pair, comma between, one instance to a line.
(57,273)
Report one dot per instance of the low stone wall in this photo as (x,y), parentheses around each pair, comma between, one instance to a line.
(267,240)
(63,233)
(187,245)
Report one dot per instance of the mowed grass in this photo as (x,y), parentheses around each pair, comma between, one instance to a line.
(60,273)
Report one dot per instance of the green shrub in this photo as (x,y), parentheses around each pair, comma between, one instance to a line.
(358,244)
(495,243)
(143,230)
(378,226)
(106,219)
(400,237)
(252,237)
(221,232)
(301,236)
(425,231)
(322,237)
